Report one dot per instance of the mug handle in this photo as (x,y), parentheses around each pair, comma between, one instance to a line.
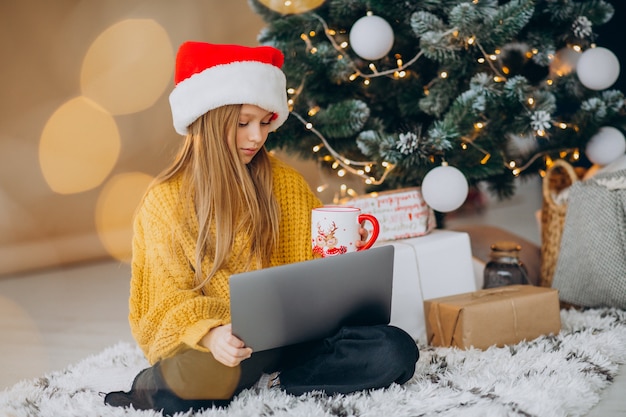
(376,229)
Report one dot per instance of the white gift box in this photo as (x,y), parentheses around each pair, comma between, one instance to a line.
(434,265)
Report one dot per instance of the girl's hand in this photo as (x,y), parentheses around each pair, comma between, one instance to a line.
(363,233)
(225,347)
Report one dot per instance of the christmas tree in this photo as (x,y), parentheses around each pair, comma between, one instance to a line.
(390,89)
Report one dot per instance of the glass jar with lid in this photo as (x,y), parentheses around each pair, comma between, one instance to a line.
(505,266)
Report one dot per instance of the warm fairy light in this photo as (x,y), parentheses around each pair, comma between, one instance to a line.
(291,91)
(493,57)
(353,77)
(498,79)
(373,67)
(368,168)
(331,32)
(366,81)
(309,126)
(290,102)
(288,3)
(470,41)
(317,148)
(563,125)
(529,54)
(497,52)
(516,172)
(505,70)
(549,81)
(360,172)
(512,164)
(485,159)
(385,164)
(577,48)
(341,173)
(344,45)
(304,37)
(531,101)
(335,165)
(541,133)
(313,111)
(479,125)
(399,62)
(313,50)
(535,51)
(312,33)
(443,74)
(464,146)
(576,155)
(481,60)
(321,188)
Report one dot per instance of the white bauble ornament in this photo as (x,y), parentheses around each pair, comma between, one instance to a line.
(597,68)
(606,146)
(445,188)
(371,37)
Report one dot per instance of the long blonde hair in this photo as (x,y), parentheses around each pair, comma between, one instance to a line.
(227,196)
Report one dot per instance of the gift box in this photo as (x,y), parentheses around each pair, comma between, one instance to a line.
(401,213)
(497,316)
(434,265)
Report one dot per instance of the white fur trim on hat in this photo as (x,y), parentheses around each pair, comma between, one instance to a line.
(242,82)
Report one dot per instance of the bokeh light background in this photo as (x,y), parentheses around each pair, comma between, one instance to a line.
(84,117)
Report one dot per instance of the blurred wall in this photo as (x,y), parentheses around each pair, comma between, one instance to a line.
(85,120)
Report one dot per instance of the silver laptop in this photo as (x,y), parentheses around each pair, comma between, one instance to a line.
(309,300)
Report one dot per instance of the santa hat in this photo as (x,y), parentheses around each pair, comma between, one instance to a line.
(209,76)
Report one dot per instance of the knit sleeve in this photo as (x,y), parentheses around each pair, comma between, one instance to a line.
(296,200)
(166,313)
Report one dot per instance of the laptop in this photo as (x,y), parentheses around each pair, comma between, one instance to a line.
(304,301)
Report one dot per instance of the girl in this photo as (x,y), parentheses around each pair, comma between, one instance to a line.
(225,205)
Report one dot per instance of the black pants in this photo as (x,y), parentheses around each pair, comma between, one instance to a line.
(354,359)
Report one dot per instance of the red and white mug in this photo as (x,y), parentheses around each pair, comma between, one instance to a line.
(335,230)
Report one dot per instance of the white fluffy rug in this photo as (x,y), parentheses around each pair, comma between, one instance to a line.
(551,376)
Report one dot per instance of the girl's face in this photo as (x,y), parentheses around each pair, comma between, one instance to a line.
(252,131)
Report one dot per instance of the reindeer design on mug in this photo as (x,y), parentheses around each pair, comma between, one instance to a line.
(326,242)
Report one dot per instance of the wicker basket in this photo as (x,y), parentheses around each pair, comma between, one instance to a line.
(559,176)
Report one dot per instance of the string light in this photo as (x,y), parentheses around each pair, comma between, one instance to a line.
(358,73)
(321,188)
(348,165)
(574,154)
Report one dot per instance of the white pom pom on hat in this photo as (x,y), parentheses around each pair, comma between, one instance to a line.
(209,76)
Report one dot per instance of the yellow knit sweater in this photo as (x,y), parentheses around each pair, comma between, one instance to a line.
(166,315)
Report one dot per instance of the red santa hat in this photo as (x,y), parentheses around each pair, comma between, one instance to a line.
(209,76)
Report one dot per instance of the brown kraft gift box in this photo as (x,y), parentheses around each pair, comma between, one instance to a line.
(496,316)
